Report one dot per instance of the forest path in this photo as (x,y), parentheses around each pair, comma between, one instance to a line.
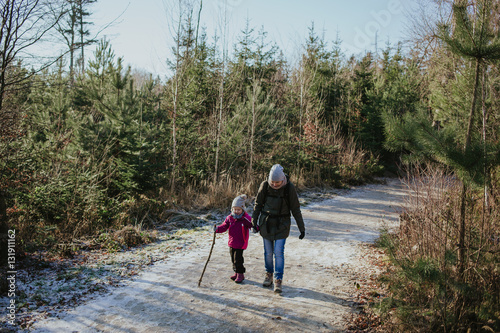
(317,284)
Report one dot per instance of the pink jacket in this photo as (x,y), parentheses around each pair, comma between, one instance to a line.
(239,230)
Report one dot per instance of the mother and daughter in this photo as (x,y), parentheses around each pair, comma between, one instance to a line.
(275,200)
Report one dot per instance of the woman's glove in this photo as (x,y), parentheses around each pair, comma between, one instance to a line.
(302,234)
(255,227)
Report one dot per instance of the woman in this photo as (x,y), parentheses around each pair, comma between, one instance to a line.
(275,200)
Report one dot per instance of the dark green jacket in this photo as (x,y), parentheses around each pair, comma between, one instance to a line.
(273,215)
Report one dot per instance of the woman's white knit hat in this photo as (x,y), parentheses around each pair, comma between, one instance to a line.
(277,174)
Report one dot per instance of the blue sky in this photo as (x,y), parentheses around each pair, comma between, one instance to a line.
(141,34)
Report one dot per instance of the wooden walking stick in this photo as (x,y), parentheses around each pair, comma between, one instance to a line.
(209,255)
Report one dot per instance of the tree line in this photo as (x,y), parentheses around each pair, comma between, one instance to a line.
(83,145)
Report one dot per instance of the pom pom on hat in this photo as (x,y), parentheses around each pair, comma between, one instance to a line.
(239,201)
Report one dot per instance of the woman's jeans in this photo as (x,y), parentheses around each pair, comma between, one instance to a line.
(275,248)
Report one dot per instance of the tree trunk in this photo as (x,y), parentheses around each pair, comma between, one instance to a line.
(462,227)
(3,228)
(72,45)
(252,135)
(221,95)
(486,171)
(82,44)
(198,27)
(301,111)
(174,137)
(176,102)
(219,124)
(2,86)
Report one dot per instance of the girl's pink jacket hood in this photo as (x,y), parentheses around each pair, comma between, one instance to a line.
(239,230)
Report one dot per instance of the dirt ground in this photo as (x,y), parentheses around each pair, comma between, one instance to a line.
(318,283)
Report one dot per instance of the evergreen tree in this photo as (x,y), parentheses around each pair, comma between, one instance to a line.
(252,131)
(471,38)
(152,126)
(254,61)
(336,110)
(72,27)
(362,103)
(112,120)
(309,92)
(398,89)
(198,103)
(183,36)
(251,75)
(192,99)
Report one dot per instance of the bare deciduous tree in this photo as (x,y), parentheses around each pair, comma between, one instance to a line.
(23,24)
(223,27)
(180,17)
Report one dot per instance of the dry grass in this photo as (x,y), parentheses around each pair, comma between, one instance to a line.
(340,161)
(432,296)
(210,194)
(429,223)
(355,164)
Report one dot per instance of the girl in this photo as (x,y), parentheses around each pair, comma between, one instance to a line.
(239,224)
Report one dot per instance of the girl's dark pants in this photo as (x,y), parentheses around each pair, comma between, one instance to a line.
(237,260)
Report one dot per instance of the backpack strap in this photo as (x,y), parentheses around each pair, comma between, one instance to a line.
(286,192)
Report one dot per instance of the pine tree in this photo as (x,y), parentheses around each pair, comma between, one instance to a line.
(183,51)
(252,130)
(83,31)
(362,103)
(471,38)
(311,85)
(72,29)
(454,143)
(398,89)
(112,113)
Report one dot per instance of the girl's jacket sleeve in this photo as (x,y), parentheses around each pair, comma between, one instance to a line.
(224,226)
(247,220)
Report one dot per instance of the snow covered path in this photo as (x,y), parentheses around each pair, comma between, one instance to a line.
(317,284)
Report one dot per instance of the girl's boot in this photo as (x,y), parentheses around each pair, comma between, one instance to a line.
(234,276)
(239,278)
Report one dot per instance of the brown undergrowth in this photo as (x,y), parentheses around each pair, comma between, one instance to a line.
(426,291)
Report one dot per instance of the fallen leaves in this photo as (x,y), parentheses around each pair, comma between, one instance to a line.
(367,293)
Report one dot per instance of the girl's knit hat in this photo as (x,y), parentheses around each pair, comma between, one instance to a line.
(239,201)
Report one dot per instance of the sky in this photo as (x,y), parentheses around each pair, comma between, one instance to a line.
(140,31)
